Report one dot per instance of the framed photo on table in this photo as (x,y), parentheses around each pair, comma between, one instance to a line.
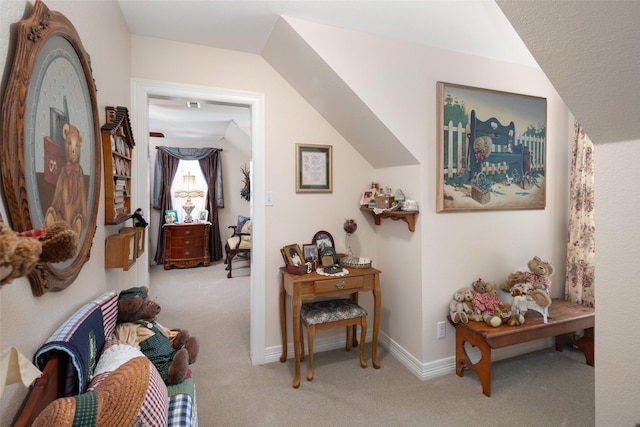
(293,255)
(51,145)
(310,252)
(323,239)
(491,150)
(314,173)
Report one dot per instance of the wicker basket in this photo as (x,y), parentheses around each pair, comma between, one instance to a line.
(481,189)
(352,262)
(482,197)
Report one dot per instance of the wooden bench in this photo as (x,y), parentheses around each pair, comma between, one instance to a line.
(564,317)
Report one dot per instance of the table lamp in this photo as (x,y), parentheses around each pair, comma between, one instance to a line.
(189,190)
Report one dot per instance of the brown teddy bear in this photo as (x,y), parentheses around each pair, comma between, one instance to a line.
(171,351)
(70,197)
(530,289)
(538,276)
(21,251)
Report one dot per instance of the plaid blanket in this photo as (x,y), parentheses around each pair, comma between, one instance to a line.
(82,338)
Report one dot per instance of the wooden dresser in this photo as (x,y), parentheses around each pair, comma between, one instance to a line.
(186,245)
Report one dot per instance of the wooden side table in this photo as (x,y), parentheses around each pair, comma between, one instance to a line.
(186,245)
(310,286)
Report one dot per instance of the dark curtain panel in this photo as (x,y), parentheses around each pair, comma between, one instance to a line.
(209,166)
(169,166)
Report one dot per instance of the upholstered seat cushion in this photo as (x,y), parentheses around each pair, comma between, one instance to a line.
(233,242)
(315,313)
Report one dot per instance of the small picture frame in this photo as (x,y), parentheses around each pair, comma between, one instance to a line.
(314,172)
(171,213)
(310,252)
(367,196)
(323,239)
(294,255)
(203,215)
(328,257)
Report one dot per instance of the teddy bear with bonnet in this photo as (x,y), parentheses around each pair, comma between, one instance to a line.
(21,251)
(171,351)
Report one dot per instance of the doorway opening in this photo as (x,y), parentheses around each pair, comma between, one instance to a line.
(142,90)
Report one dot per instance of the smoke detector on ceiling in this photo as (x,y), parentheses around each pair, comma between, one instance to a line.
(193,104)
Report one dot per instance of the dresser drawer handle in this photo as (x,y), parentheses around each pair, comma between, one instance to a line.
(340,285)
(187,232)
(187,242)
(187,253)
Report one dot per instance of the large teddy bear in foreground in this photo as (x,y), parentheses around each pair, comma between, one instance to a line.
(20,252)
(171,351)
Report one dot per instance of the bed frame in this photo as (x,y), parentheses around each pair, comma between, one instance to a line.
(46,389)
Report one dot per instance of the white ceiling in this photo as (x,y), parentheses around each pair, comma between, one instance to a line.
(208,121)
(246,25)
(588,49)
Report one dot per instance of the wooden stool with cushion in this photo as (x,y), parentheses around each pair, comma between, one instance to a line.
(332,314)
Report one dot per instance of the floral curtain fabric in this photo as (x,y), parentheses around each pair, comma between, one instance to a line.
(580,280)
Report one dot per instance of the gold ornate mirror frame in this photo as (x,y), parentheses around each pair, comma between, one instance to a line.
(49,106)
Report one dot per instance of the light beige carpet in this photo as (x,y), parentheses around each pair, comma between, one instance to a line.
(544,388)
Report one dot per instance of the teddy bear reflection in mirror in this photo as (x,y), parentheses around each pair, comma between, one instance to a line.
(171,351)
(69,202)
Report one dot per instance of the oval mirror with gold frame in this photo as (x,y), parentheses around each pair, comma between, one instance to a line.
(51,165)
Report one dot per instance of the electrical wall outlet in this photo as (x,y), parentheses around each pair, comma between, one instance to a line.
(441,330)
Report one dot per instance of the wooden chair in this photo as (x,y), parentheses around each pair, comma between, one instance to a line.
(332,314)
(239,242)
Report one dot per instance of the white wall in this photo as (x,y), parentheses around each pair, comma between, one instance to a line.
(617,252)
(420,270)
(26,321)
(449,250)
(294,218)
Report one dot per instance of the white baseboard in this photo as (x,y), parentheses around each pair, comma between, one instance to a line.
(423,371)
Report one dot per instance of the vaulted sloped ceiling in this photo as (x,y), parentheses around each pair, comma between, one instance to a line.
(322,87)
(259,27)
(589,51)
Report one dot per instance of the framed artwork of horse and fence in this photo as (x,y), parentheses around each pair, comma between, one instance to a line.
(491,150)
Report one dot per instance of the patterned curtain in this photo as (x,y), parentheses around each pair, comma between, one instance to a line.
(581,251)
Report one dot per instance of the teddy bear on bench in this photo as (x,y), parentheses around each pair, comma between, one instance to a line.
(171,351)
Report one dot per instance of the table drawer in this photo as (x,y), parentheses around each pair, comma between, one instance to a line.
(186,231)
(339,283)
(186,242)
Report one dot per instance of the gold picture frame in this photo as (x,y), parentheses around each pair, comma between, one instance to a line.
(314,168)
(491,150)
(294,255)
(49,102)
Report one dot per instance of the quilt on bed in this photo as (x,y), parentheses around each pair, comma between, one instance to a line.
(96,362)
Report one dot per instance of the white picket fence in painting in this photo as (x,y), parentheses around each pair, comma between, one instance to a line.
(456,144)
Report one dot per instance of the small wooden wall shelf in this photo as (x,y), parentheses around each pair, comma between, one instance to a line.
(407,216)
(117,147)
(120,249)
